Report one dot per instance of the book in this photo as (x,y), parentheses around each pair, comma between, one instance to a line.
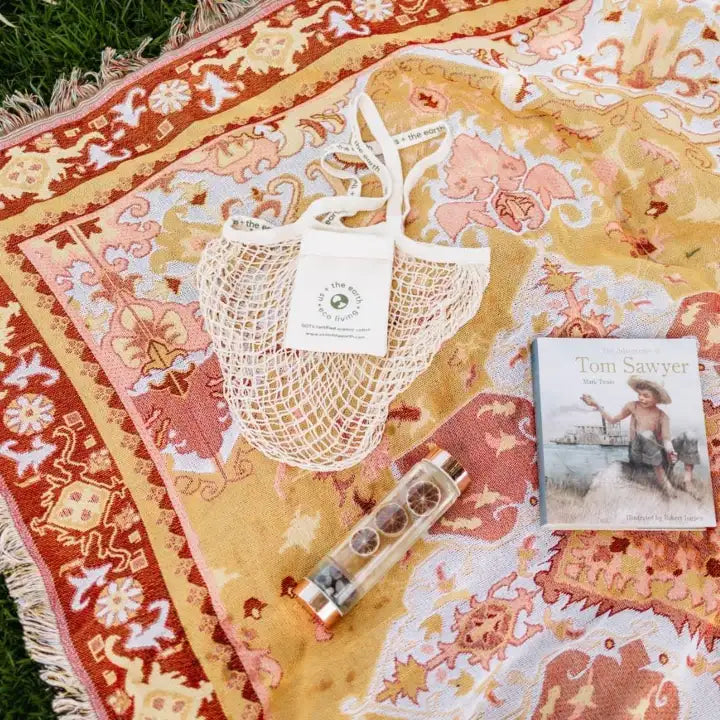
(621,434)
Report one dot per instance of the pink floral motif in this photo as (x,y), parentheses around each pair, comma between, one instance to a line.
(578,685)
(488,627)
(606,171)
(29,414)
(429,100)
(487,436)
(617,571)
(187,408)
(473,165)
(514,209)
(153,342)
(518,197)
(481,634)
(119,601)
(551,35)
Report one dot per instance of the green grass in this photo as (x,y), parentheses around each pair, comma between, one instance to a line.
(23,695)
(48,40)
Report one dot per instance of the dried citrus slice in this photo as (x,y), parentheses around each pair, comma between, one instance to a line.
(391,519)
(422,497)
(365,541)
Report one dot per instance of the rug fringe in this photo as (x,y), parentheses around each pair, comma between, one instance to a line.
(21,109)
(71,701)
(207,15)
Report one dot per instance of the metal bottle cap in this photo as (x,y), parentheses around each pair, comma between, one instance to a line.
(443,460)
(317,603)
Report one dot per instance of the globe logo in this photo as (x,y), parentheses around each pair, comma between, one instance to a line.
(339,301)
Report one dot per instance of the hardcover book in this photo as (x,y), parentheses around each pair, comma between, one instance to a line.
(621,434)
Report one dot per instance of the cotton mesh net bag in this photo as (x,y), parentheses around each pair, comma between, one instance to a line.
(327,410)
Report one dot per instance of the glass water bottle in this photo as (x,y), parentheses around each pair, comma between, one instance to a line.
(382,538)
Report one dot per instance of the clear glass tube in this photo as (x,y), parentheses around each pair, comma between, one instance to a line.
(381,539)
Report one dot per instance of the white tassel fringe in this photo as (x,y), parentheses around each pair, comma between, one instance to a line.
(21,108)
(42,641)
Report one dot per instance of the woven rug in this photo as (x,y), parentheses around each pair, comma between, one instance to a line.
(154,554)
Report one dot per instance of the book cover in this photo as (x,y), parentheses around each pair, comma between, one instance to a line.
(621,434)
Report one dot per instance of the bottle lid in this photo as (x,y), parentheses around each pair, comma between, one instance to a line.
(444,461)
(317,603)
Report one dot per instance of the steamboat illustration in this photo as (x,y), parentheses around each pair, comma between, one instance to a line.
(603,435)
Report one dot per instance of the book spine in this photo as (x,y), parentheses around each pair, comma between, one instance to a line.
(535,366)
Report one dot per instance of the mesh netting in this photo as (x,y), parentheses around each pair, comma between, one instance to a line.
(321,411)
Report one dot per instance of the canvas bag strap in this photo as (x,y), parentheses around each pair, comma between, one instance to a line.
(396,193)
(332,209)
(422,165)
(389,173)
(401,140)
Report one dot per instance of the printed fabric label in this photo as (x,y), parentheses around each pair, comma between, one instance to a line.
(341,294)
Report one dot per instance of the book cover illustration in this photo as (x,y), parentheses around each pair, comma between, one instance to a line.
(621,434)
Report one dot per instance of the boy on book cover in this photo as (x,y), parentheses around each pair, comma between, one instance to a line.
(651,443)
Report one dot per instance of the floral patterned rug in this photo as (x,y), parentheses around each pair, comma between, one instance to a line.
(154,553)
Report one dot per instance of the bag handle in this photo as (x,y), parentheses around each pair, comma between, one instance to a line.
(396,193)
(398,200)
(419,168)
(401,140)
(390,174)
